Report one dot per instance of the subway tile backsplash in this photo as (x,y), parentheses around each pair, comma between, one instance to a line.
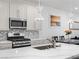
(28,34)
(39,42)
(31,34)
(3,35)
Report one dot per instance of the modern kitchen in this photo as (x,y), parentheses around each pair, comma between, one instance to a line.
(34,29)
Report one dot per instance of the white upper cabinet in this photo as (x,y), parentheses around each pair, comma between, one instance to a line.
(32,14)
(23,11)
(18,9)
(4,15)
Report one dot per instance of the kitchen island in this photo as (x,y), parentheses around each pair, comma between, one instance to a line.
(63,52)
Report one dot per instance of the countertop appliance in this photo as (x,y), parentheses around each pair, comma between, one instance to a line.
(17,23)
(18,40)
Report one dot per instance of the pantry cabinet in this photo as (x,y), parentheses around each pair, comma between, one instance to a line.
(4,15)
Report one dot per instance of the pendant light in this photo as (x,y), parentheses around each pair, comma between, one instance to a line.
(39,17)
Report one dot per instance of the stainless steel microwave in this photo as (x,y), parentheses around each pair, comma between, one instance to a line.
(17,23)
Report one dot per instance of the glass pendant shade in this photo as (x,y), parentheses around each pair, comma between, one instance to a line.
(39,16)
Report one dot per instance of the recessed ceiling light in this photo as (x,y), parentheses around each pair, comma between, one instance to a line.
(76,8)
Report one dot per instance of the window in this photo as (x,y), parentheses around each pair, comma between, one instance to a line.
(55,20)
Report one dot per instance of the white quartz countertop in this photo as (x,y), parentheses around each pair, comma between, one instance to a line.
(6,41)
(63,52)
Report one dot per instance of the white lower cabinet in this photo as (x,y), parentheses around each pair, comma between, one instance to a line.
(5,45)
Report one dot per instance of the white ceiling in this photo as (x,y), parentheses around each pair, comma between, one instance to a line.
(66,5)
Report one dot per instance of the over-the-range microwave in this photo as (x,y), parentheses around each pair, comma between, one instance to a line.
(17,23)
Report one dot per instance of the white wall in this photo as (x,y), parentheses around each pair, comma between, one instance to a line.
(75,17)
(47,30)
(65,17)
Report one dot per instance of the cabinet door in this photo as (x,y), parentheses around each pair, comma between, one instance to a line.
(31,15)
(14,9)
(4,15)
(38,24)
(23,11)
(18,9)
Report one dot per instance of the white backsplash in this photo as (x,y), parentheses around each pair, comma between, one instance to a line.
(40,42)
(31,34)
(3,35)
(28,34)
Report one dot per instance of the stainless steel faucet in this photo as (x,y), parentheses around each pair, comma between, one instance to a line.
(53,43)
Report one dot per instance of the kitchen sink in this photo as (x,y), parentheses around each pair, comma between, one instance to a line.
(74,57)
(44,47)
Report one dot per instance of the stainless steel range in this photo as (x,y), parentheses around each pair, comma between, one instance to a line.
(18,40)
